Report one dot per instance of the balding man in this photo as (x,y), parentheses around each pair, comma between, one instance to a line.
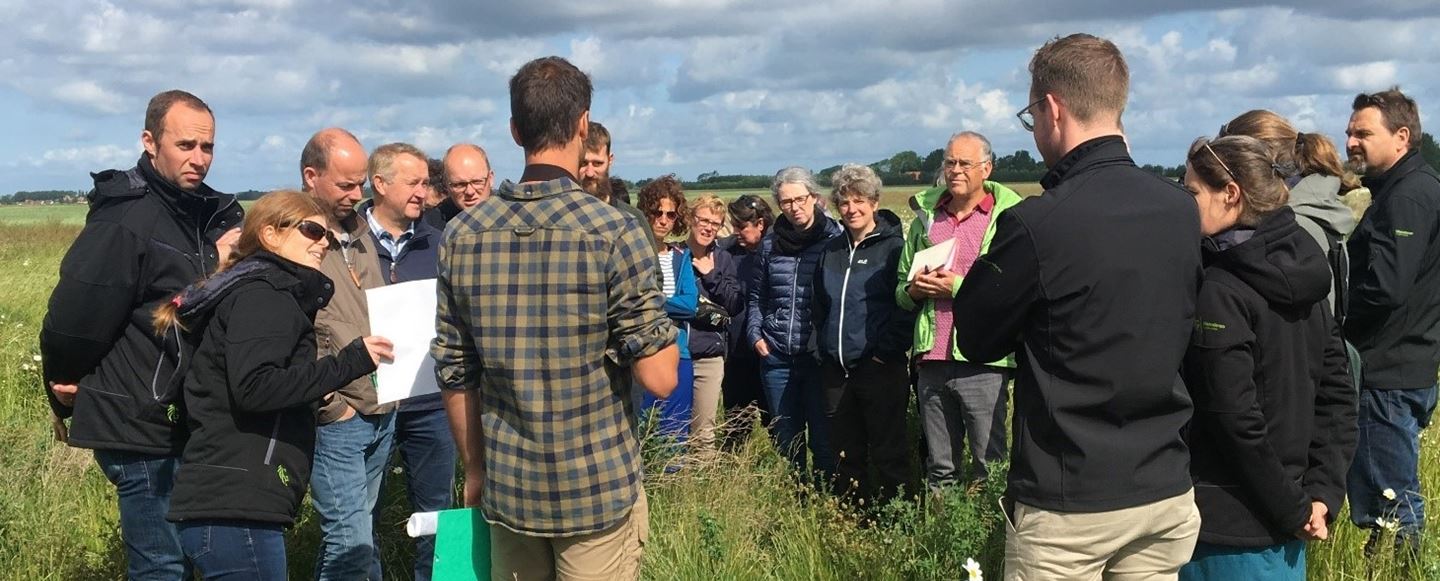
(353,440)
(468,178)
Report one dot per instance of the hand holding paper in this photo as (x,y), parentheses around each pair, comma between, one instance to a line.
(934,258)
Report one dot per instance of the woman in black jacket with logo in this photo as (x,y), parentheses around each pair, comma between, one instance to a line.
(252,390)
(1274,426)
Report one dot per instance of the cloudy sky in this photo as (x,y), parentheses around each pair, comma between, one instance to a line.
(735,86)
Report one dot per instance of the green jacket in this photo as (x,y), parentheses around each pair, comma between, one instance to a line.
(917,239)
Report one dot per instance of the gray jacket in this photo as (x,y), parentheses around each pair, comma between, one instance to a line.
(1318,209)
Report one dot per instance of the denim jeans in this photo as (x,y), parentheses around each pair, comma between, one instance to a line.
(673,414)
(350,458)
(427,450)
(143,483)
(960,401)
(225,550)
(1387,458)
(797,402)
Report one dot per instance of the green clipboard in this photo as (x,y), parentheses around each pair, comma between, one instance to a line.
(462,545)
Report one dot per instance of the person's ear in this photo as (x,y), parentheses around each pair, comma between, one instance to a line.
(583,131)
(148,141)
(515,133)
(1232,194)
(1052,109)
(307,178)
(1403,134)
(270,238)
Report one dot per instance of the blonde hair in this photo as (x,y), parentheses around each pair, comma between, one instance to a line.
(710,202)
(280,209)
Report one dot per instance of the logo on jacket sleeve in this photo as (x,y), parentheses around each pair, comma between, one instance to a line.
(172,413)
(1209,326)
(284,474)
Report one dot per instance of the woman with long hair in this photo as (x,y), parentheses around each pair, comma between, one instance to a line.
(663,203)
(1274,426)
(253,387)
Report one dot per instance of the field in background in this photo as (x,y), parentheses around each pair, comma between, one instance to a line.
(735,516)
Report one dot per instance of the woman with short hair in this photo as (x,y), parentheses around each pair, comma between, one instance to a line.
(864,337)
(720,300)
(1274,425)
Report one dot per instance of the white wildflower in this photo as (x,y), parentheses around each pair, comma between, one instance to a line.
(26,263)
(397,470)
(1389,494)
(35,358)
(25,367)
(1389,524)
(973,569)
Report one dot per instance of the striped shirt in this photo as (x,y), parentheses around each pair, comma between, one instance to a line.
(542,299)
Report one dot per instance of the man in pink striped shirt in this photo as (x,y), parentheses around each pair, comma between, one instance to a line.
(957,398)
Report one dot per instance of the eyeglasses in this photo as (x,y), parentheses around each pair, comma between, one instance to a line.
(667,214)
(479,185)
(792,202)
(961,165)
(708,223)
(1222,163)
(311,230)
(1027,119)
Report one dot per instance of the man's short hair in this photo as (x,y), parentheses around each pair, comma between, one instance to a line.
(1088,73)
(160,105)
(985,148)
(316,153)
(382,160)
(547,98)
(470,146)
(1396,109)
(598,139)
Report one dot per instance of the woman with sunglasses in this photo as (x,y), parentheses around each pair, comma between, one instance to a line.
(663,202)
(253,388)
(1274,428)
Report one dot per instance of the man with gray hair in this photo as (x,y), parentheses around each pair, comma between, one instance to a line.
(958,399)
(779,322)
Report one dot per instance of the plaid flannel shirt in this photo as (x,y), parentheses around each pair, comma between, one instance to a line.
(543,297)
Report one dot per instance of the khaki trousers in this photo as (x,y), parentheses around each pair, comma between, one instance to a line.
(611,554)
(1146,542)
(709,375)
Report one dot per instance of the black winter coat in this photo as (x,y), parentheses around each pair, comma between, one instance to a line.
(1394,308)
(722,287)
(1092,285)
(143,242)
(856,316)
(779,295)
(253,391)
(1274,424)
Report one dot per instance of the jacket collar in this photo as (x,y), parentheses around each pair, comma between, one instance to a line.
(1096,152)
(1408,164)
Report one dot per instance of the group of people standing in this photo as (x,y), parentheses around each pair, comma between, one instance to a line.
(1201,370)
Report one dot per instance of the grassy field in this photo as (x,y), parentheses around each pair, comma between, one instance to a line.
(732,516)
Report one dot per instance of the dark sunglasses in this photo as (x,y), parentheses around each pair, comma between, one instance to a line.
(668,214)
(311,230)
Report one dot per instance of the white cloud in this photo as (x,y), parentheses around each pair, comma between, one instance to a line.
(1366,77)
(88,94)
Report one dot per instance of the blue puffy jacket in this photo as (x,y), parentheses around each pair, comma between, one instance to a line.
(780,293)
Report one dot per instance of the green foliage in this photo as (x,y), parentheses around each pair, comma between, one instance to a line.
(51,196)
(1430,150)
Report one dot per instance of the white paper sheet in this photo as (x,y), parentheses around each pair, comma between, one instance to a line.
(404,313)
(933,258)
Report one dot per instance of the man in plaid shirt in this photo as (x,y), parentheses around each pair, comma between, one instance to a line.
(546,294)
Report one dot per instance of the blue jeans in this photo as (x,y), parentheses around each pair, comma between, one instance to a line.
(427,450)
(1387,457)
(1284,562)
(350,458)
(673,413)
(143,483)
(235,550)
(797,402)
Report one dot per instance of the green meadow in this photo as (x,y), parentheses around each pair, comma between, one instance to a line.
(731,515)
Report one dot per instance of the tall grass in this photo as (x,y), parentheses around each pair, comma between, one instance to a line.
(735,515)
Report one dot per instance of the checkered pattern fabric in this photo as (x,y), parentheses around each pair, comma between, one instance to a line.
(545,293)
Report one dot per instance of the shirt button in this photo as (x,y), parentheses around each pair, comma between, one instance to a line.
(327,286)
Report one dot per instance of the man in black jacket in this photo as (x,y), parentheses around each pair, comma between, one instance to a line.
(466,178)
(1093,286)
(1394,309)
(151,231)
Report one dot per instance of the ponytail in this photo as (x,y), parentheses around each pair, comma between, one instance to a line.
(167,316)
(1315,153)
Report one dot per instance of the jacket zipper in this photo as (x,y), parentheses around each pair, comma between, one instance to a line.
(840,329)
(790,327)
(274,434)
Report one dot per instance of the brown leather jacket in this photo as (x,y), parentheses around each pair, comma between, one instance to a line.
(347,316)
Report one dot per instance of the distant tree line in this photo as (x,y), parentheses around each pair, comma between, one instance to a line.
(44,196)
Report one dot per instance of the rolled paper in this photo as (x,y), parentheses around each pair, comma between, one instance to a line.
(422,524)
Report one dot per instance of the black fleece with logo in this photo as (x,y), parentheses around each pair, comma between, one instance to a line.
(253,390)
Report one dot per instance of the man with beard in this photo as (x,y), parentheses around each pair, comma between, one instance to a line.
(467,178)
(595,176)
(152,230)
(353,441)
(1393,311)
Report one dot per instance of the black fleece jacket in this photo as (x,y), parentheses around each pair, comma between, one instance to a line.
(253,390)
(1092,285)
(856,316)
(1394,308)
(144,240)
(1274,424)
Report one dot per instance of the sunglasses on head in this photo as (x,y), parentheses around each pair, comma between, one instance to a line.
(315,232)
